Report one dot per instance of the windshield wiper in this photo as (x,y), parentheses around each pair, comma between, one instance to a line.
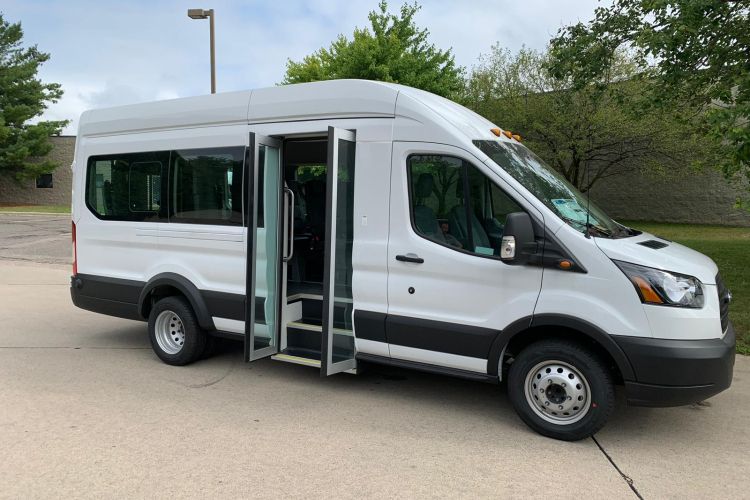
(602,230)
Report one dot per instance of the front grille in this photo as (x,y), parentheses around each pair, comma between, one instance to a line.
(724,298)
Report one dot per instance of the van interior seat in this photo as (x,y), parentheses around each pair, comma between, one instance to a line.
(424,217)
(460,228)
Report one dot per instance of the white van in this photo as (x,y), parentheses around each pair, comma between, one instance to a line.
(346,222)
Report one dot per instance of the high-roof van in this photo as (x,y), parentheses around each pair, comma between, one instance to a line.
(345,222)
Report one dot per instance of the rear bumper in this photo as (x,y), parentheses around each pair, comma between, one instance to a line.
(677,372)
(79,286)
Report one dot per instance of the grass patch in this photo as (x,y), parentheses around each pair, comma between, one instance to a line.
(50,209)
(729,247)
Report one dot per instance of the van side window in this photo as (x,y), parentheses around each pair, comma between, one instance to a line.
(127,186)
(436,193)
(206,186)
(455,205)
(145,186)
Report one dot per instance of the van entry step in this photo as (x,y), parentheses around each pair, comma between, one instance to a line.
(299,325)
(315,363)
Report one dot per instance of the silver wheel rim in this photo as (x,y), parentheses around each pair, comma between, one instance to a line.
(169,332)
(557,392)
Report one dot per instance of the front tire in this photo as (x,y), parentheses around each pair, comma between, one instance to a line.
(174,332)
(561,389)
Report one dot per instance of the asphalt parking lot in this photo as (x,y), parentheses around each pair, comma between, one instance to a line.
(35,238)
(87,410)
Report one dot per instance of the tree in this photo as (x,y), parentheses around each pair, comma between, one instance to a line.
(694,51)
(590,132)
(23,97)
(393,49)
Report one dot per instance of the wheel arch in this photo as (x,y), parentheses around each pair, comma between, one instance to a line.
(524,331)
(169,284)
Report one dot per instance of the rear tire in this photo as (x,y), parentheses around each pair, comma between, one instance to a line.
(561,390)
(174,332)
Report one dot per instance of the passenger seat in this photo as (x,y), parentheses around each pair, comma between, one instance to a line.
(424,217)
(459,226)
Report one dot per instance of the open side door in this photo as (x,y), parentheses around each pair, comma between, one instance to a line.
(263,264)
(337,340)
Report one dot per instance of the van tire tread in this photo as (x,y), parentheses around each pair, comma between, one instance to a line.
(195,338)
(587,363)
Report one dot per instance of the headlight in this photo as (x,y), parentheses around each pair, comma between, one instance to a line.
(655,286)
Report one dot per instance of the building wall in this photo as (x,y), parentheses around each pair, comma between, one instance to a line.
(26,193)
(691,197)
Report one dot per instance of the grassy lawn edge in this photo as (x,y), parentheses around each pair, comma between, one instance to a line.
(36,209)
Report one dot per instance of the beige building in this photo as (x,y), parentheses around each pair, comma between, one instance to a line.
(50,189)
(703,197)
(698,197)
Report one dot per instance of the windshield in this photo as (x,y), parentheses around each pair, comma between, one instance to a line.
(552,189)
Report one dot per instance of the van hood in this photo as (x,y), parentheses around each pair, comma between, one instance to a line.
(652,251)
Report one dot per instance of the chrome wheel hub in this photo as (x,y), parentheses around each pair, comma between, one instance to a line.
(169,332)
(557,392)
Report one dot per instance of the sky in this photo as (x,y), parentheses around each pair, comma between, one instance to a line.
(107,53)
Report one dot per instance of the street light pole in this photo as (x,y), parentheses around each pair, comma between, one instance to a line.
(213,50)
(203,14)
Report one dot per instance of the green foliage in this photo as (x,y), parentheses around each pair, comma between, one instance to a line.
(693,51)
(23,97)
(393,49)
(587,132)
(311,172)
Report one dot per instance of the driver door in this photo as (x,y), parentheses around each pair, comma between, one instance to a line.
(449,294)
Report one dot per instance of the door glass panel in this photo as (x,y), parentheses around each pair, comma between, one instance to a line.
(456,205)
(264,293)
(436,186)
(489,208)
(338,337)
(343,337)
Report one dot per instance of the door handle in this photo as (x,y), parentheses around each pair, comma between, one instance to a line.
(410,257)
(290,222)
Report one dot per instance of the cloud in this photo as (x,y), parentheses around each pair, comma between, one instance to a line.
(471,28)
(113,53)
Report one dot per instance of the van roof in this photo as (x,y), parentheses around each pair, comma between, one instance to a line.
(332,99)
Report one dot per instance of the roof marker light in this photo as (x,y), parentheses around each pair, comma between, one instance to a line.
(517,137)
(508,134)
(496,131)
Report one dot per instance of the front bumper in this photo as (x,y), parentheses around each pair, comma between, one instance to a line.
(677,372)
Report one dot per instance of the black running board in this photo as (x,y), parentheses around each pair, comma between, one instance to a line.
(424,367)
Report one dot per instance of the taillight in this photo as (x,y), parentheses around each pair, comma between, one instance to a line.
(75,251)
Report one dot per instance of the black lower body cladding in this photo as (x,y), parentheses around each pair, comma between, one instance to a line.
(110,296)
(672,372)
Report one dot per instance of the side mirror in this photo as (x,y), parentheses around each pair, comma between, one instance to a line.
(518,241)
